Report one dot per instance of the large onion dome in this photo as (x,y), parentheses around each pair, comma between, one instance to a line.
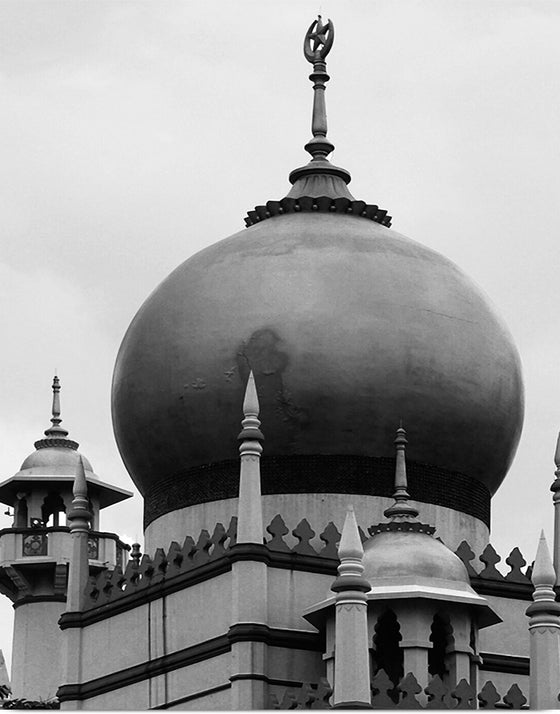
(347,326)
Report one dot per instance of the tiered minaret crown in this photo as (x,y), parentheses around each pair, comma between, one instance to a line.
(56,434)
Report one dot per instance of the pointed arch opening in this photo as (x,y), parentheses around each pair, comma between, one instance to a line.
(53,506)
(441,637)
(387,653)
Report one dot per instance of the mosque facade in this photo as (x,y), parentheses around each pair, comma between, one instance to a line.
(317,412)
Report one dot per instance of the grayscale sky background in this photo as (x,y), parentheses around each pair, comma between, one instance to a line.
(133,134)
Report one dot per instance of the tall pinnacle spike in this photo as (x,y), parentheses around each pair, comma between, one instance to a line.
(543,575)
(319,177)
(351,646)
(249,517)
(401,509)
(79,488)
(56,429)
(544,632)
(79,517)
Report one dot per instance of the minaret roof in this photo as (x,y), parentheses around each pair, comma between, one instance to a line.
(55,461)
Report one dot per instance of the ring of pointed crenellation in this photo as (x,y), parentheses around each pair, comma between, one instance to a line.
(62,442)
(321,204)
(143,571)
(401,526)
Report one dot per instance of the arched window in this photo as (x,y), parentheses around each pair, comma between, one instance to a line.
(52,506)
(387,653)
(441,638)
(21,515)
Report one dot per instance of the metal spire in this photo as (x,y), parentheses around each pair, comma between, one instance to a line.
(401,509)
(56,429)
(316,46)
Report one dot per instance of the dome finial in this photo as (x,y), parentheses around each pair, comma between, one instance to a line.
(316,46)
(319,177)
(56,429)
(401,509)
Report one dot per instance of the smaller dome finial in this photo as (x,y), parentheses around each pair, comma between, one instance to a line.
(401,509)
(56,430)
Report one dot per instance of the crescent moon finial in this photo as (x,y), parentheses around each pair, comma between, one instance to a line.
(318,40)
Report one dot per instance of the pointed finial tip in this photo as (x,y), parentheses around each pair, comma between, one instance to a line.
(350,544)
(251,401)
(543,569)
(557,452)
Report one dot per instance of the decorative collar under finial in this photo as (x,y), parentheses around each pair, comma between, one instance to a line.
(402,509)
(56,435)
(319,177)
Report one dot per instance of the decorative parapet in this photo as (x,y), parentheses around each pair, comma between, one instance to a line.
(488,580)
(385,695)
(211,554)
(110,585)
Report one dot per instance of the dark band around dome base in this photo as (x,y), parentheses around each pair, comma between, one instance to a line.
(365,475)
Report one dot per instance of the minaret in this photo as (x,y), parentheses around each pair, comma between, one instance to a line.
(544,629)
(555,488)
(428,586)
(249,568)
(351,655)
(36,550)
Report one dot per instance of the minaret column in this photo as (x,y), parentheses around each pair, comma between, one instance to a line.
(249,569)
(544,629)
(415,620)
(351,654)
(79,518)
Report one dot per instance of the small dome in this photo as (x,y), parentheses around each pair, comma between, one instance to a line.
(405,554)
(59,461)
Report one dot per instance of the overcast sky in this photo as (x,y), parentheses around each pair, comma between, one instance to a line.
(133,134)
